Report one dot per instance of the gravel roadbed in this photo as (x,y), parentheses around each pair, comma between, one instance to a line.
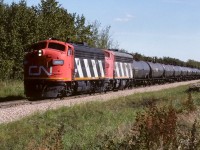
(18,112)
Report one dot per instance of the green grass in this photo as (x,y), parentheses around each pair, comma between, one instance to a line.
(86,126)
(11,90)
(79,126)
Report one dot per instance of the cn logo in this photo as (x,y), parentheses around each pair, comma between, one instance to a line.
(40,68)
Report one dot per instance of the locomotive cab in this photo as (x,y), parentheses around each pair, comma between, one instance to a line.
(47,67)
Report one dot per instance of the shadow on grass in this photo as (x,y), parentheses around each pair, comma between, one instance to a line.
(11,98)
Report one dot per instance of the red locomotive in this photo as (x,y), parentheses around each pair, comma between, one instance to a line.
(119,73)
(54,69)
(47,68)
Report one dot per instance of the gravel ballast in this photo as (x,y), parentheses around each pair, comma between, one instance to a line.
(20,111)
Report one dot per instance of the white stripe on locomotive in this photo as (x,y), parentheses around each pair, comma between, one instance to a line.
(101,68)
(130,69)
(87,67)
(126,69)
(122,69)
(94,68)
(78,64)
(116,69)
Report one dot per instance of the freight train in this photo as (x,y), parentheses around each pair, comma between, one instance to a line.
(53,68)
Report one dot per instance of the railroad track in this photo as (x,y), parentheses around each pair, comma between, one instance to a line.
(15,103)
(8,104)
(15,110)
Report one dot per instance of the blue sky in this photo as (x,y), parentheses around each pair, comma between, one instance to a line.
(150,27)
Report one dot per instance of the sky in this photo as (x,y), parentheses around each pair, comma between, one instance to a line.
(159,28)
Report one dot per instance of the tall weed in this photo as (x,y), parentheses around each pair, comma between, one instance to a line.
(157,128)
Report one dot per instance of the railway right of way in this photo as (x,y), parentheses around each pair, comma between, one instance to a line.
(9,114)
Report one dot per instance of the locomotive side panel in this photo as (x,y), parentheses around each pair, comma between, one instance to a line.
(89,69)
(123,65)
(89,63)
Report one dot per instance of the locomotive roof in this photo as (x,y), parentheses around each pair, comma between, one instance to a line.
(85,48)
(122,54)
(77,47)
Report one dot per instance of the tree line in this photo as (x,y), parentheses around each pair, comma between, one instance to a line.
(22,25)
(167,60)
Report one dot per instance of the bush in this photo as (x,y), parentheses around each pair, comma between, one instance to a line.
(157,129)
(6,69)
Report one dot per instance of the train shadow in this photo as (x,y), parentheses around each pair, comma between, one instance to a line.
(11,98)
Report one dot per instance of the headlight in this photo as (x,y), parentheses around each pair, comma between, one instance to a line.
(58,62)
(40,52)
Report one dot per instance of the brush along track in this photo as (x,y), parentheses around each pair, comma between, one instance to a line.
(8,114)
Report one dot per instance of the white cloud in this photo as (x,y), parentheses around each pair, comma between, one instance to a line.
(126,18)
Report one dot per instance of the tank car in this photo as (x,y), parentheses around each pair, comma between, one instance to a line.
(141,72)
(177,73)
(168,73)
(184,73)
(195,73)
(156,72)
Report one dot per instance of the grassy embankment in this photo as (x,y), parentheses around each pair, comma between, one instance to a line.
(11,90)
(102,124)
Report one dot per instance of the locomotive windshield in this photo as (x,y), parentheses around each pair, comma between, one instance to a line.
(38,46)
(43,45)
(57,46)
